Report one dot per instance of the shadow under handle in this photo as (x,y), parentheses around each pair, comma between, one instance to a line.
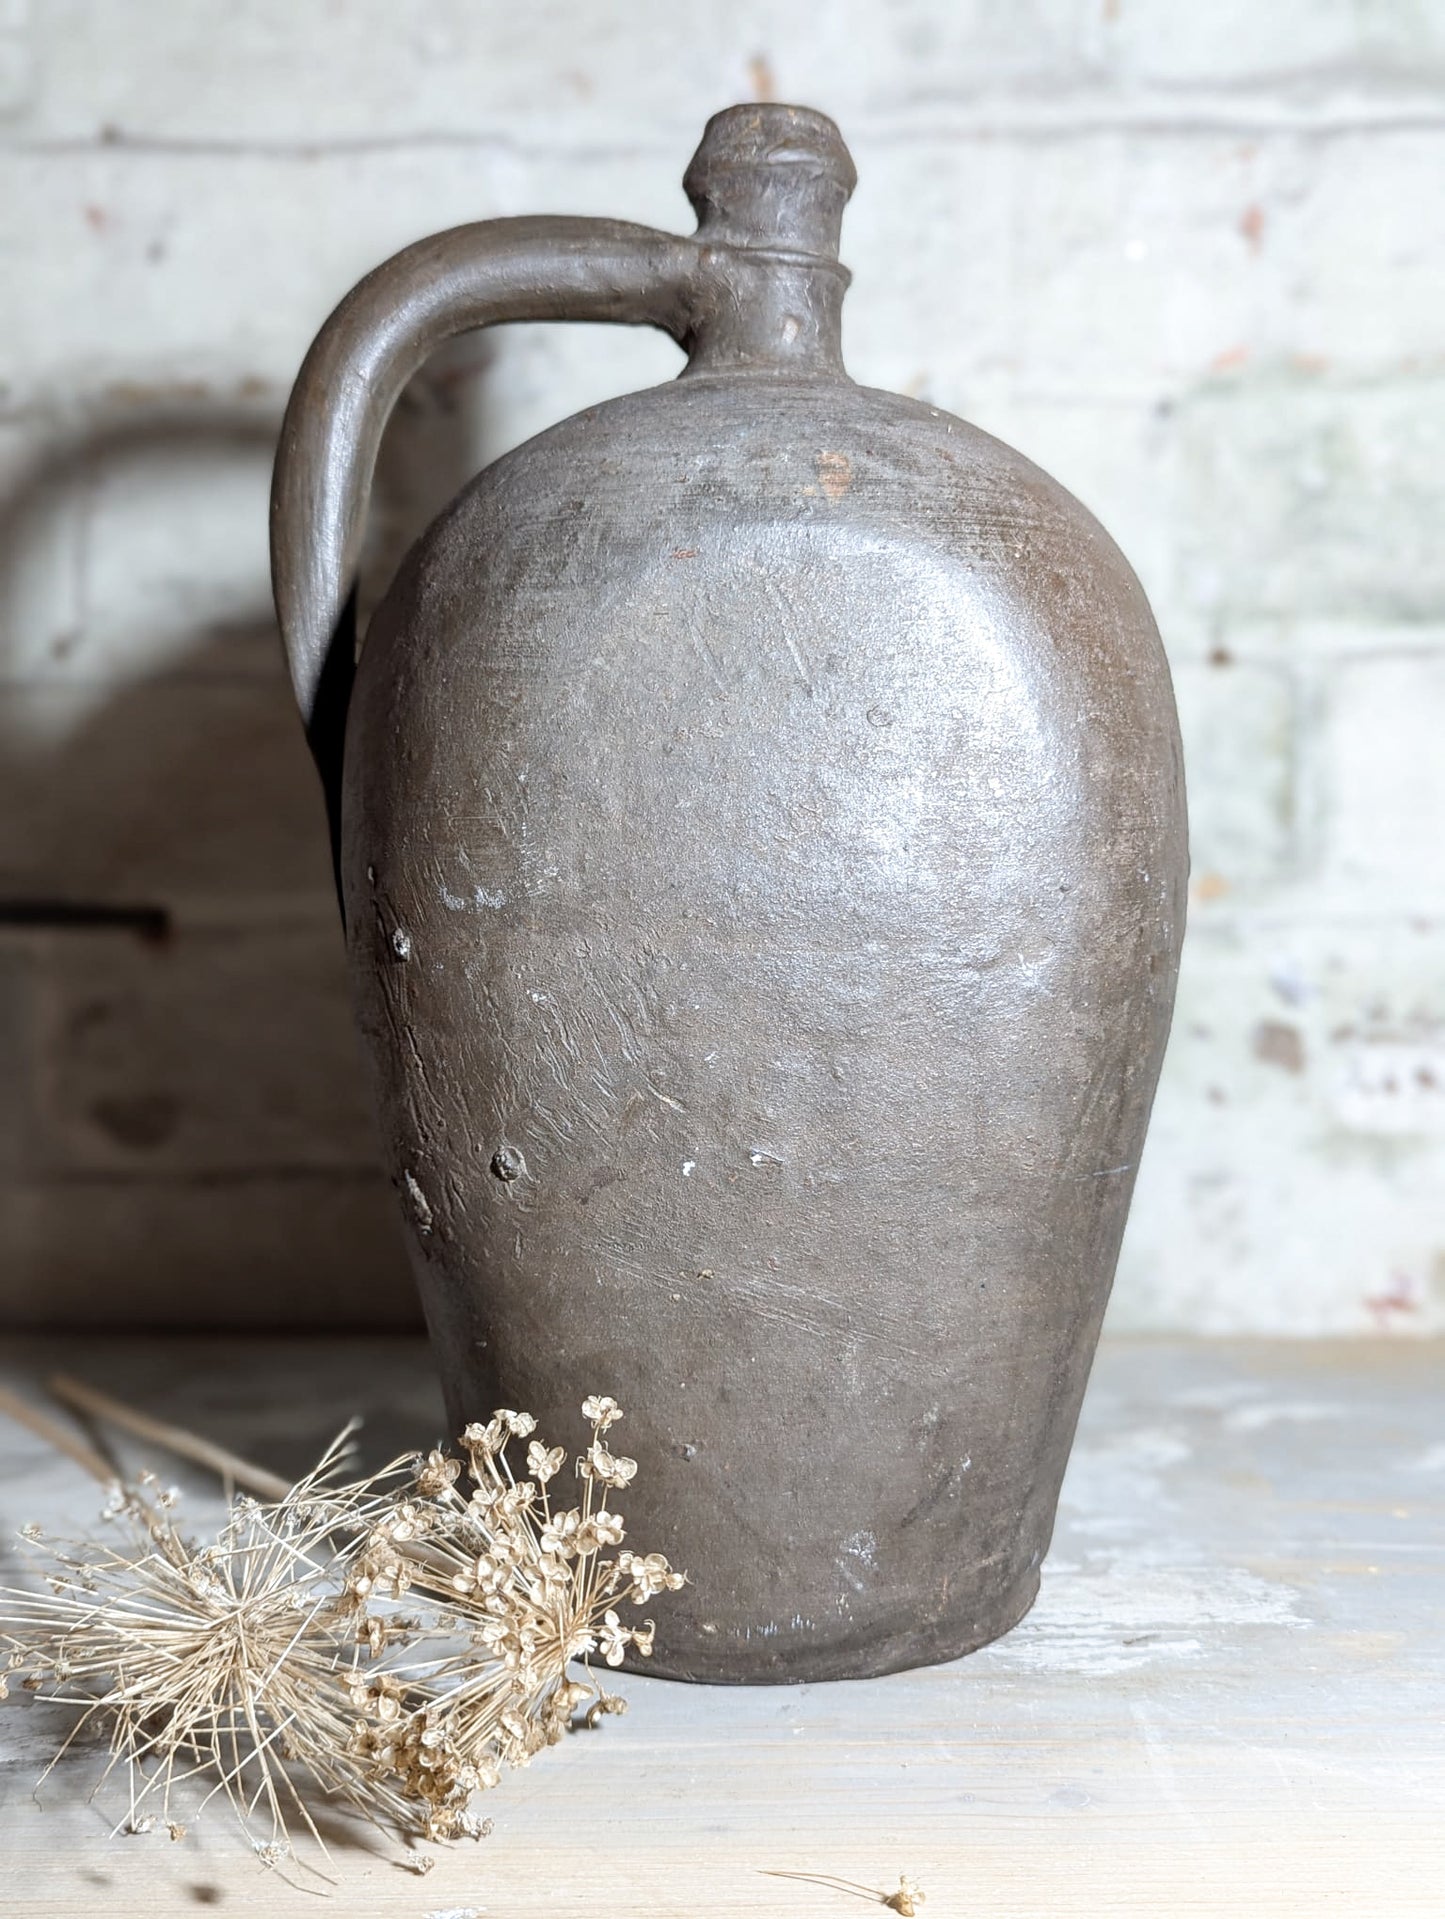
(541,268)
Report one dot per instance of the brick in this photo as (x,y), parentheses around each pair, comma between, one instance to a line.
(920,318)
(214,1052)
(594,71)
(1235,42)
(1116,233)
(1305,499)
(1384,782)
(1352,241)
(1191,261)
(154,73)
(159,283)
(1073,265)
(1291,1182)
(17,59)
(1238,724)
(197,796)
(322,1251)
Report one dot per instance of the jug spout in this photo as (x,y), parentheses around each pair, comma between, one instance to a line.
(773,177)
(769,185)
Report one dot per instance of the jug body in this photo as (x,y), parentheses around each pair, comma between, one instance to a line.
(762,846)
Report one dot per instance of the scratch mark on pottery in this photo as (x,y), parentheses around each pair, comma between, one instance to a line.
(709,663)
(771,1299)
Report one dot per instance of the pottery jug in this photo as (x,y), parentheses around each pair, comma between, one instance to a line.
(760,826)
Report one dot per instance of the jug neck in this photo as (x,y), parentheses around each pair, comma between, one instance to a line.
(768,314)
(769,184)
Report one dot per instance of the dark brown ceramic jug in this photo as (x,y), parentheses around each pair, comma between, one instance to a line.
(761,833)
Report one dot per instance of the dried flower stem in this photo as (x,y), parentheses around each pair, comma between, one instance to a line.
(227,1661)
(58,1436)
(905,1901)
(176,1439)
(521,1587)
(245,1660)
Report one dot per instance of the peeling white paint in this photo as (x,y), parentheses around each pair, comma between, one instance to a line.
(1118,1616)
(1218,1398)
(1254,1419)
(1387,1087)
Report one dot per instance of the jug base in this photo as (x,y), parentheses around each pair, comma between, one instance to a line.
(935,1644)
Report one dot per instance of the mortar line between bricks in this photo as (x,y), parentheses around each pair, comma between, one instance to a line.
(1283,655)
(1157,124)
(1157,119)
(1277,920)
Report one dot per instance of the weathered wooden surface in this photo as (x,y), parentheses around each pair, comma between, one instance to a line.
(1230,1698)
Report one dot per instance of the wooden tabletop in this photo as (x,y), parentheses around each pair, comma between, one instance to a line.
(1229,1699)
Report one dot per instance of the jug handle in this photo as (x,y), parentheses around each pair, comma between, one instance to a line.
(540,268)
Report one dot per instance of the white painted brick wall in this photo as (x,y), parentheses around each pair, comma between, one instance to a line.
(1190,258)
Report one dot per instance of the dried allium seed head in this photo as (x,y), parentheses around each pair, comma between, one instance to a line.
(219,1659)
(529,1590)
(278,1652)
(611,1469)
(437,1474)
